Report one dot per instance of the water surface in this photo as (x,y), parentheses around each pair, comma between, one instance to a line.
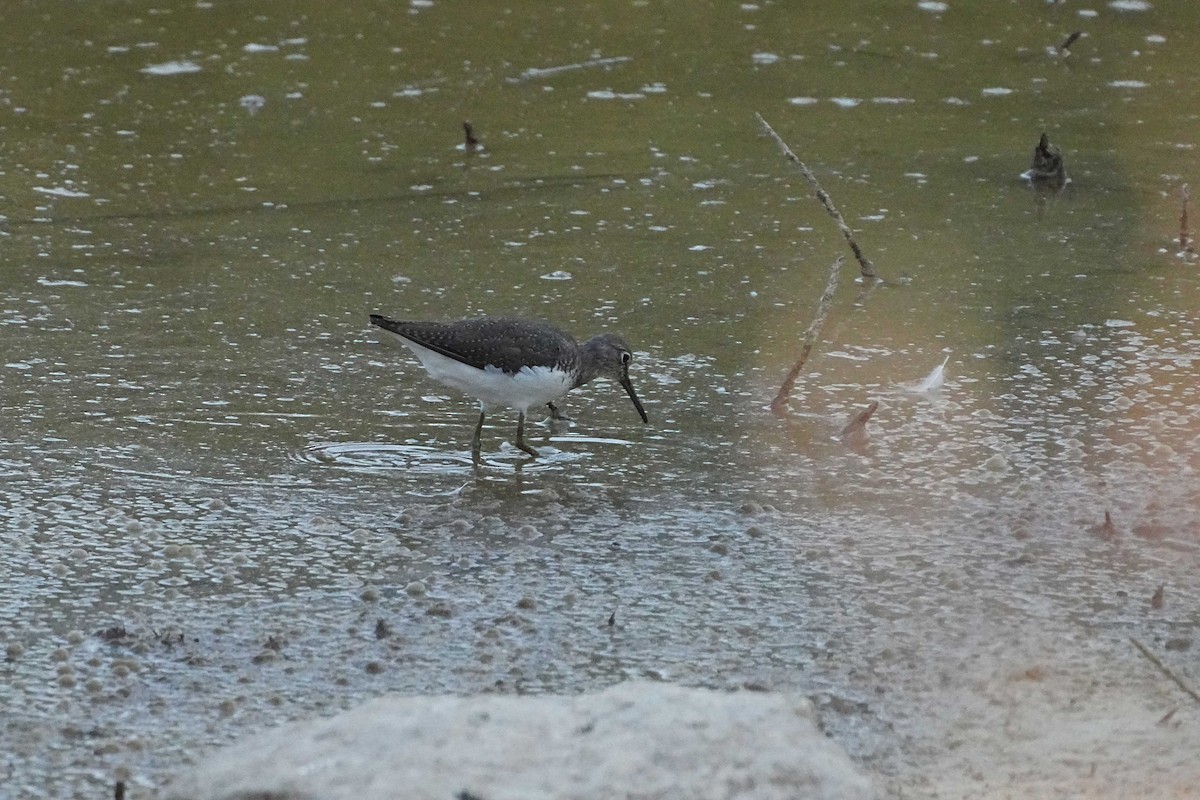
(226,504)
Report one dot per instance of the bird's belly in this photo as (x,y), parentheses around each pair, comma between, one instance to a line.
(532,386)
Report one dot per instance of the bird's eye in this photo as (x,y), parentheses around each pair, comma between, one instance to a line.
(626,357)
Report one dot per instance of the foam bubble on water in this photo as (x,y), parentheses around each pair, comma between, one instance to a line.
(172,68)
(253,103)
(59,191)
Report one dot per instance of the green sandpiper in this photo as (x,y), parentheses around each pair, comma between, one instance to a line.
(512,363)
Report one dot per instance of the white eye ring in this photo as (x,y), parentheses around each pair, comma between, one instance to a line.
(626,358)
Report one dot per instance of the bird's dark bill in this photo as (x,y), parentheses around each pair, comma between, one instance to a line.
(633,396)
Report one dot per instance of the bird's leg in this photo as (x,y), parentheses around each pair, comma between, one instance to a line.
(478,434)
(521,435)
(556,415)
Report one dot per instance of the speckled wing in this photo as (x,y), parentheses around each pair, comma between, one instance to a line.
(506,343)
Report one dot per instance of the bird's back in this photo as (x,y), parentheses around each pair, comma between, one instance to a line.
(501,361)
(506,343)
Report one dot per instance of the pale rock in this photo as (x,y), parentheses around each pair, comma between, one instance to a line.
(635,740)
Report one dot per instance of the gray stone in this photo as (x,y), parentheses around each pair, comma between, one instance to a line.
(632,741)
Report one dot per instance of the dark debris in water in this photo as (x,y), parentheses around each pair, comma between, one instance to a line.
(117,635)
(169,638)
(1048,167)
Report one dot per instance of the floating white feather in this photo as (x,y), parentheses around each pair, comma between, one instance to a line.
(934,380)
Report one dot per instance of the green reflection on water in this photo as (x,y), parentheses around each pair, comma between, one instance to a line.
(186,283)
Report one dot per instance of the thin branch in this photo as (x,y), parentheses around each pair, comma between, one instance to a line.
(1185,235)
(1064,49)
(855,433)
(546,72)
(1156,661)
(857,426)
(866,267)
(779,404)
(471,144)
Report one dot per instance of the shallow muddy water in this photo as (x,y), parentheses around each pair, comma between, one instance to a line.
(226,504)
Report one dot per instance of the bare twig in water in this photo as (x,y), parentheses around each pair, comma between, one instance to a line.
(779,404)
(545,72)
(867,268)
(1047,167)
(1064,49)
(472,144)
(855,432)
(1166,718)
(1107,529)
(1156,661)
(1185,236)
(119,790)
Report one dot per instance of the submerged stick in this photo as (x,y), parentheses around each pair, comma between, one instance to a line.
(855,433)
(1156,661)
(545,72)
(866,267)
(779,404)
(1184,233)
(1064,49)
(471,144)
